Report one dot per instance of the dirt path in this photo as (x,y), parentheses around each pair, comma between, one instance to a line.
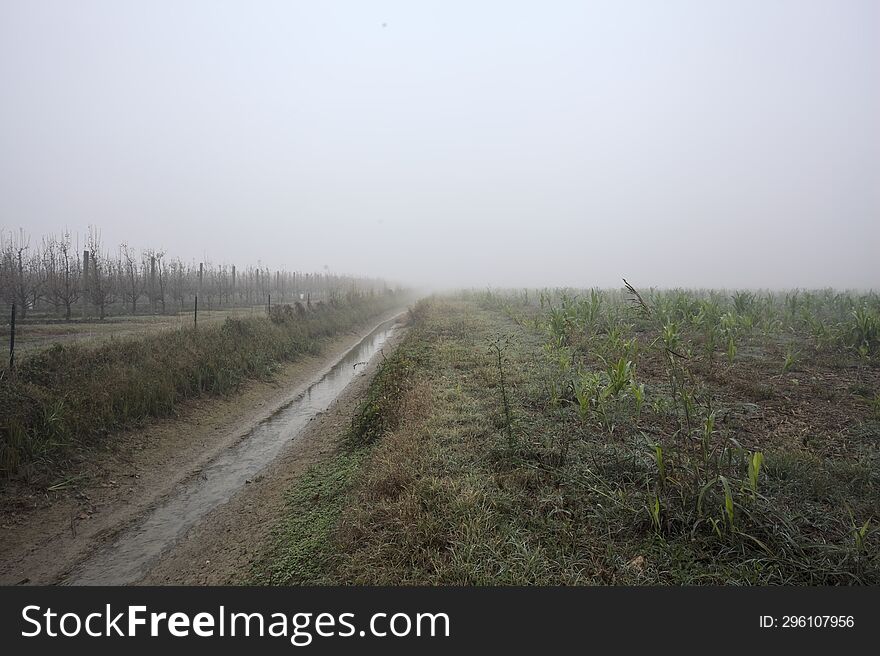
(44,536)
(220,549)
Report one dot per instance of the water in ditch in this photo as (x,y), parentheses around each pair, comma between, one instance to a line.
(139,546)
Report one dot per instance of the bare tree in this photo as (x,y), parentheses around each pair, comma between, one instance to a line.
(25,273)
(151,265)
(158,257)
(132,272)
(178,282)
(53,277)
(101,285)
(65,273)
(208,287)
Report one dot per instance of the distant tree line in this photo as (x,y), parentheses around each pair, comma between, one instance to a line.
(61,277)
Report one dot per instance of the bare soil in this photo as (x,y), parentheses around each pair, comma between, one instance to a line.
(45,533)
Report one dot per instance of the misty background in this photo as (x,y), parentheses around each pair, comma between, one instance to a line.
(452,143)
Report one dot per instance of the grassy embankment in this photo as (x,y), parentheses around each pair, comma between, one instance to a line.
(69,397)
(694,439)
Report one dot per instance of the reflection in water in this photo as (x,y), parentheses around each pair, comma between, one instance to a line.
(137,548)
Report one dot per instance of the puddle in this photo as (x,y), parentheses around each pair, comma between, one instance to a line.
(139,546)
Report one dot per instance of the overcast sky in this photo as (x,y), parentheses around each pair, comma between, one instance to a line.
(691,143)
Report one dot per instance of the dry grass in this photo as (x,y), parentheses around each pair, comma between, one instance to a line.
(72,396)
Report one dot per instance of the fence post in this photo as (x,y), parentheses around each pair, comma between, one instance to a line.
(269,308)
(86,290)
(196,312)
(153,284)
(12,340)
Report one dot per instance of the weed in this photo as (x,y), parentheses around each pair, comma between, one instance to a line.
(497,347)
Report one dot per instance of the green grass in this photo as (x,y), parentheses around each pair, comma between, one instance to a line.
(303,553)
(74,396)
(623,450)
(302,550)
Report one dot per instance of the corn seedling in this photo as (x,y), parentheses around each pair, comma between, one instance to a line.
(557,324)
(731,350)
(661,465)
(755,463)
(619,376)
(789,360)
(860,537)
(706,441)
(638,394)
(860,534)
(586,391)
(661,405)
(865,330)
(729,323)
(553,392)
(631,349)
(743,302)
(670,338)
(711,342)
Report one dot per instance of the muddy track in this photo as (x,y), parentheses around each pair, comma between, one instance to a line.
(87,532)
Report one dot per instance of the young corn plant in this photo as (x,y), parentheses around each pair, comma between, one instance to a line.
(728,507)
(631,349)
(661,466)
(671,338)
(729,323)
(860,538)
(590,310)
(860,534)
(637,391)
(790,360)
(755,462)
(865,330)
(711,342)
(620,376)
(557,325)
(731,350)
(743,302)
(586,390)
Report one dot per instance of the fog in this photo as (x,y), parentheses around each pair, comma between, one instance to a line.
(456,143)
